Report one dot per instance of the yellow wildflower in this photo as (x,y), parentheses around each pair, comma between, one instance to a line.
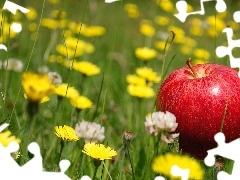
(66,133)
(140,91)
(32,14)
(135,80)
(132,10)
(64,90)
(162,20)
(147,29)
(86,68)
(180,34)
(98,151)
(93,31)
(6,138)
(163,164)
(81,102)
(166,5)
(196,31)
(148,74)
(145,53)
(201,54)
(161,45)
(216,23)
(36,86)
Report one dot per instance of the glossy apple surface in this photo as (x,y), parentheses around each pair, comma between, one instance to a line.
(199,105)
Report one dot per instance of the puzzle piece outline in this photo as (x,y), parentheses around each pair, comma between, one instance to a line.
(181,6)
(228,150)
(30,170)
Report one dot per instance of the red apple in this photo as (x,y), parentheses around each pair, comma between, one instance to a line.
(200,96)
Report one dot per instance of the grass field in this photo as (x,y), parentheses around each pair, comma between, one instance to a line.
(56,34)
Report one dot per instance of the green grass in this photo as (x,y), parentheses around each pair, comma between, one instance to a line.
(113,107)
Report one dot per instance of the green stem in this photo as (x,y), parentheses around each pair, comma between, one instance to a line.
(96,163)
(61,150)
(76,161)
(120,169)
(54,37)
(131,163)
(157,144)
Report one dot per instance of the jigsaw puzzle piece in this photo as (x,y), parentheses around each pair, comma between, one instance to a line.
(181,6)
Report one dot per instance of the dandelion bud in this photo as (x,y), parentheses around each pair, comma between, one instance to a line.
(127,137)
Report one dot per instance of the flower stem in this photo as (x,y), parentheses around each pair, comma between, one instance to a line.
(121,166)
(97,163)
(61,150)
(133,175)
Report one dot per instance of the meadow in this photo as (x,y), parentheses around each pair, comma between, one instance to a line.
(127,49)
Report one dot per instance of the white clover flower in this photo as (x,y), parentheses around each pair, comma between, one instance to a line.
(162,123)
(90,131)
(55,77)
(13,64)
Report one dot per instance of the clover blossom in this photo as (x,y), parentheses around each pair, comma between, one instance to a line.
(90,131)
(163,124)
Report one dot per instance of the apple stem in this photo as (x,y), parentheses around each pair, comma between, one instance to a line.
(188,62)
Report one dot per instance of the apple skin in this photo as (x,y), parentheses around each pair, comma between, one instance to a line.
(199,105)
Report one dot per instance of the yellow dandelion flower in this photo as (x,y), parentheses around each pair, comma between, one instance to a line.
(148,74)
(49,23)
(135,80)
(163,164)
(6,138)
(98,151)
(58,14)
(145,53)
(66,133)
(56,58)
(36,86)
(81,102)
(64,90)
(32,14)
(140,91)
(86,68)
(161,45)
(216,23)
(165,5)
(43,100)
(201,54)
(180,34)
(162,20)
(196,31)
(93,31)
(147,29)
(74,47)
(132,10)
